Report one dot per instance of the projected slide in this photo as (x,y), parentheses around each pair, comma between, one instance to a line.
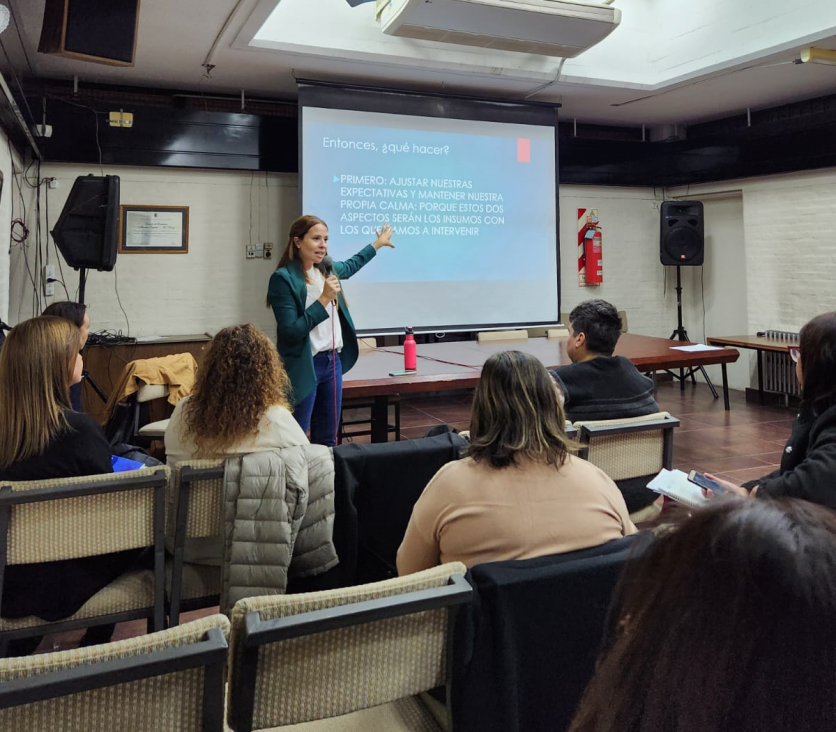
(474,208)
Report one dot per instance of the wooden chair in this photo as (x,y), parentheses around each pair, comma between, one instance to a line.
(172,681)
(71,518)
(349,660)
(489,336)
(357,411)
(633,449)
(194,511)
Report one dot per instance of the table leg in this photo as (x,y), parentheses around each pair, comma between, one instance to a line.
(760,377)
(725,386)
(380,419)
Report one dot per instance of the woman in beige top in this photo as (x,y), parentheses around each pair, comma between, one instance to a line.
(519,493)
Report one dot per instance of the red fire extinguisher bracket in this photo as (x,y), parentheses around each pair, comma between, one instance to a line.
(594,259)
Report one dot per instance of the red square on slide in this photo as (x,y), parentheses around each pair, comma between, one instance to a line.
(523,150)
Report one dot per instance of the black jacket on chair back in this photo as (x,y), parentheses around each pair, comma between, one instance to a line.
(526,647)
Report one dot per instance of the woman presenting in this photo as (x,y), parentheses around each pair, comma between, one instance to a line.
(314,331)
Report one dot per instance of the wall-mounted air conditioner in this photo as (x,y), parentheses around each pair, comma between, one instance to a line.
(563,28)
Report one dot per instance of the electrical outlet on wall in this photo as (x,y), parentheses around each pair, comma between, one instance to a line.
(250,251)
(49,275)
(268,250)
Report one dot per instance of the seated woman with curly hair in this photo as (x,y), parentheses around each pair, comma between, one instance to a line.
(239,403)
(238,406)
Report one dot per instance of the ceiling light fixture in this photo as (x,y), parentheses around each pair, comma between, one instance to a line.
(818,56)
(5,18)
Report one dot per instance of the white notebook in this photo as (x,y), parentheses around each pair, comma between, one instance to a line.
(675,484)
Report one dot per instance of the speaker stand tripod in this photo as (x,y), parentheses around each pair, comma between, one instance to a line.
(82,285)
(680,334)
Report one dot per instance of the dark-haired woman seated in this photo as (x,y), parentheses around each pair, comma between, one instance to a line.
(76,313)
(519,493)
(808,465)
(724,625)
(43,438)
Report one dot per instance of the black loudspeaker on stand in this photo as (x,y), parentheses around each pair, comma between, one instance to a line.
(87,233)
(682,235)
(682,244)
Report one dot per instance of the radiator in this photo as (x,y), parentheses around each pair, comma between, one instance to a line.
(779,374)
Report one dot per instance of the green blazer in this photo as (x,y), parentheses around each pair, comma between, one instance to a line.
(287,293)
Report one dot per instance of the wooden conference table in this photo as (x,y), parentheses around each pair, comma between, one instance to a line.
(458,365)
(759,344)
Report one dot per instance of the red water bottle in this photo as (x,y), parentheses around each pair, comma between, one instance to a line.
(410,358)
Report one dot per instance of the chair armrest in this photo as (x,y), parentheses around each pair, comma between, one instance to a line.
(457,592)
(665,424)
(87,677)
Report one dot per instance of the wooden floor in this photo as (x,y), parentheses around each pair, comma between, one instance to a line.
(739,445)
(742,444)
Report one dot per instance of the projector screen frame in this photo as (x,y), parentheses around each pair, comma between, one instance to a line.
(383,100)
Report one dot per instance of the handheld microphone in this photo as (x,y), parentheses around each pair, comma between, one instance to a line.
(328,264)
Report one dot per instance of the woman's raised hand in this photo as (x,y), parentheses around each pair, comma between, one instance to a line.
(384,237)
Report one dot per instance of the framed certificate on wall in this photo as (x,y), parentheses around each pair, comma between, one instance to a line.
(154,229)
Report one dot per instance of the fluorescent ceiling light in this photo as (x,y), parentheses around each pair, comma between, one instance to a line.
(818,56)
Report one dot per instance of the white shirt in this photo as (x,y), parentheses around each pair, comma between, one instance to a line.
(322,336)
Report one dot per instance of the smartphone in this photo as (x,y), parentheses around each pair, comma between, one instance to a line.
(121,464)
(703,482)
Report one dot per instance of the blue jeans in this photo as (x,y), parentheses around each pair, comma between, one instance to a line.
(319,412)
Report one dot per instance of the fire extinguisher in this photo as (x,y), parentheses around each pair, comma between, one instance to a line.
(593,256)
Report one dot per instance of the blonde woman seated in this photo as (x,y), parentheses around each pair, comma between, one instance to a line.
(42,438)
(519,493)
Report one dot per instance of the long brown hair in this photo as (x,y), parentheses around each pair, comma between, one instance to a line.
(727,625)
(298,229)
(817,343)
(516,414)
(241,377)
(35,365)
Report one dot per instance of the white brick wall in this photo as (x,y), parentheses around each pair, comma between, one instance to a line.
(633,276)
(213,285)
(789,224)
(770,254)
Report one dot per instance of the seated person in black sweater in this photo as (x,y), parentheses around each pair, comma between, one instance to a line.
(598,385)
(43,438)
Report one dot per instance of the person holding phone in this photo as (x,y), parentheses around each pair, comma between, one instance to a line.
(315,334)
(808,465)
